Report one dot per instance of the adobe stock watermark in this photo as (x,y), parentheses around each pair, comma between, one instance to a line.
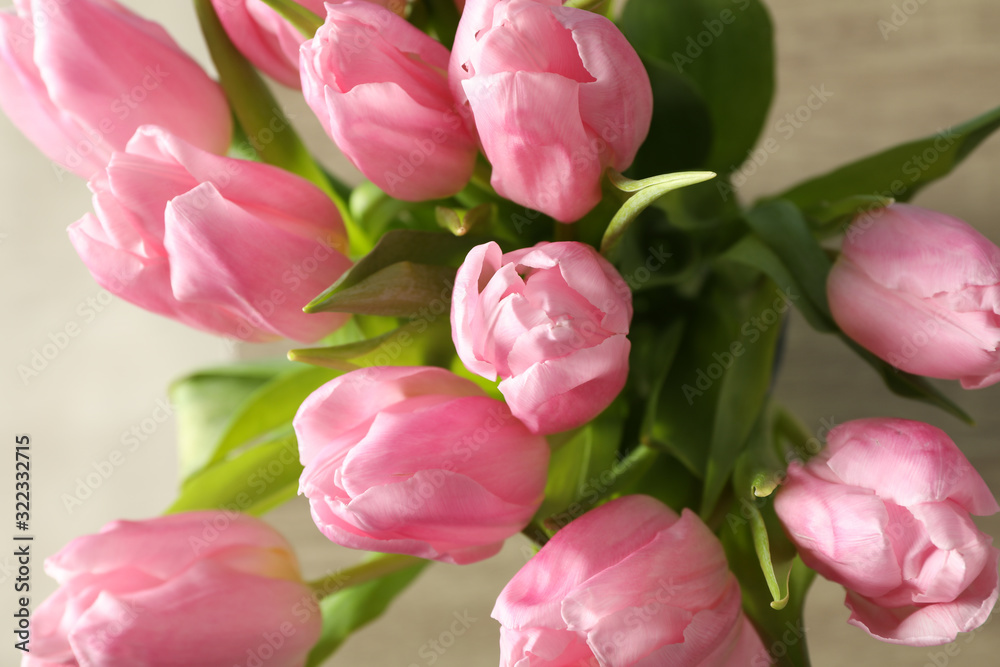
(901,13)
(56,342)
(785,128)
(131,439)
(750,331)
(698,43)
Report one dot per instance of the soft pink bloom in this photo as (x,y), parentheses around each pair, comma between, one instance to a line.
(197,589)
(378,85)
(884,510)
(267,39)
(79,77)
(417,460)
(629,583)
(228,246)
(921,290)
(550,321)
(558,95)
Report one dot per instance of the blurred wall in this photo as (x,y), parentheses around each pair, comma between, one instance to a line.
(941,66)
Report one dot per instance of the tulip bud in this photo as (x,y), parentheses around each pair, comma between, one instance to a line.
(228,246)
(268,40)
(378,86)
(417,461)
(629,583)
(884,510)
(558,95)
(224,583)
(79,77)
(550,321)
(921,290)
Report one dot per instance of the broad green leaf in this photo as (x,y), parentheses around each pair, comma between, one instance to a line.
(346,611)
(400,245)
(251,481)
(646,192)
(725,50)
(751,251)
(743,388)
(415,343)
(583,470)
(270,409)
(783,228)
(908,385)
(204,404)
(835,218)
(680,135)
(899,172)
(399,290)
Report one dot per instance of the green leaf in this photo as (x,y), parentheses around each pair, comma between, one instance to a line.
(444,16)
(680,135)
(270,409)
(899,172)
(402,245)
(751,251)
(725,50)
(348,610)
(398,290)
(583,469)
(908,385)
(743,390)
(783,228)
(252,481)
(834,219)
(204,404)
(646,192)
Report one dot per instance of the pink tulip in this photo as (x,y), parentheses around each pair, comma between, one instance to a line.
(921,290)
(228,246)
(550,321)
(196,589)
(629,583)
(884,510)
(268,40)
(379,88)
(417,461)
(558,95)
(79,77)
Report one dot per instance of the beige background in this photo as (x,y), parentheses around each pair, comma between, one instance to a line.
(941,67)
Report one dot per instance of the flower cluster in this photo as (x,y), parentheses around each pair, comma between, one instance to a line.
(438,437)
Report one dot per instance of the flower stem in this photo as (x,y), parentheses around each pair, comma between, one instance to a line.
(379,566)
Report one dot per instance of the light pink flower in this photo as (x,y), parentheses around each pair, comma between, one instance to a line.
(200,588)
(558,95)
(79,77)
(228,246)
(268,40)
(921,290)
(378,85)
(884,510)
(627,584)
(550,321)
(417,461)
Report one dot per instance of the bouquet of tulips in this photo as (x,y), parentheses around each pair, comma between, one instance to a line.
(546,311)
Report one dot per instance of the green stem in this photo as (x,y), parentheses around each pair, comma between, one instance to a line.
(304,20)
(565,231)
(788,426)
(361,574)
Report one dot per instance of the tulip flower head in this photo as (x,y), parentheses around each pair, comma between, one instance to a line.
(884,510)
